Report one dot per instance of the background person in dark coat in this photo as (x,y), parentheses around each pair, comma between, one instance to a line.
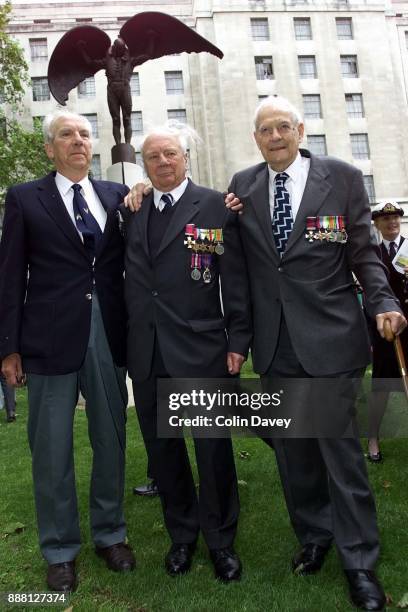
(308,323)
(387,219)
(63,325)
(177,328)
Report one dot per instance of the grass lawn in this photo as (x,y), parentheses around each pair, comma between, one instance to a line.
(265,540)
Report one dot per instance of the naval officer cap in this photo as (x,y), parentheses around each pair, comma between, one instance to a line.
(385,209)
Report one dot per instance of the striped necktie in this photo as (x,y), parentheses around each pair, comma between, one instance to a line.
(282,221)
(167,200)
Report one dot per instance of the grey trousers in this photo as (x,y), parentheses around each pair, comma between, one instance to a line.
(52,401)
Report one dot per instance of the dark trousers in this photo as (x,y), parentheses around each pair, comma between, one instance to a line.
(216,509)
(325,480)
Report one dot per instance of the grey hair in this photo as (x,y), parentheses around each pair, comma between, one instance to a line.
(185,134)
(49,123)
(278,103)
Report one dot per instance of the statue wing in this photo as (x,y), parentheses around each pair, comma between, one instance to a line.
(68,67)
(172,36)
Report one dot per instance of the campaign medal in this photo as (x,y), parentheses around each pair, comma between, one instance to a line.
(207,273)
(219,247)
(329,228)
(195,266)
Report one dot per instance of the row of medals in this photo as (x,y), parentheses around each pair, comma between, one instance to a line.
(203,243)
(329,228)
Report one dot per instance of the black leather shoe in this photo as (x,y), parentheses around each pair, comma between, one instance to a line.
(366,592)
(118,557)
(61,577)
(11,417)
(148,490)
(309,559)
(227,564)
(178,559)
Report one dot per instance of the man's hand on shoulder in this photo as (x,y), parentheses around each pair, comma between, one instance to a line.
(12,370)
(234,203)
(234,362)
(134,198)
(397,320)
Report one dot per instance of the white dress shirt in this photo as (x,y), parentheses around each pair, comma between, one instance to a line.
(94,204)
(298,172)
(387,243)
(177,192)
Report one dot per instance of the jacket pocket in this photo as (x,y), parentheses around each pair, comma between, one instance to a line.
(203,325)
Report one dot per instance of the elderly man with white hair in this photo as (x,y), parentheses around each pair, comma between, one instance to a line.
(62,328)
(180,248)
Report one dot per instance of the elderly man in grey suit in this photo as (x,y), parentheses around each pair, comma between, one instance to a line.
(308,323)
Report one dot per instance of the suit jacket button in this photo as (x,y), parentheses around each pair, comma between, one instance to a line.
(155,293)
(279,269)
(89,296)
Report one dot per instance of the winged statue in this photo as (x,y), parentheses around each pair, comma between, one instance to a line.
(84,50)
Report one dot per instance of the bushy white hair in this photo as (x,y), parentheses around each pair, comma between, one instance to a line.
(50,120)
(185,134)
(278,103)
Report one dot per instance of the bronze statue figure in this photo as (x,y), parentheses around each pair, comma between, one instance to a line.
(85,50)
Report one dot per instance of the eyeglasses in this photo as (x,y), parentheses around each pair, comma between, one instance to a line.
(283,129)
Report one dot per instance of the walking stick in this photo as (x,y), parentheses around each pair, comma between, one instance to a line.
(389,335)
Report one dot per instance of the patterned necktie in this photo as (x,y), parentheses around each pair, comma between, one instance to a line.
(85,221)
(393,250)
(282,221)
(167,200)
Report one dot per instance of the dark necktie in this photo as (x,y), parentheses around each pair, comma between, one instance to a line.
(393,250)
(168,200)
(85,221)
(282,221)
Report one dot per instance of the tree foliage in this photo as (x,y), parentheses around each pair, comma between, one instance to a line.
(22,155)
(13,67)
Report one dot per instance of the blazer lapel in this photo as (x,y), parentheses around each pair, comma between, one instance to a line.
(140,220)
(316,191)
(109,201)
(51,200)
(259,196)
(185,211)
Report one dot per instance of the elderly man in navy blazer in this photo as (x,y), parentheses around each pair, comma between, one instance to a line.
(62,327)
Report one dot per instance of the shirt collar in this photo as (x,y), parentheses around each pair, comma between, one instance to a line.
(293,171)
(64,184)
(177,192)
(397,241)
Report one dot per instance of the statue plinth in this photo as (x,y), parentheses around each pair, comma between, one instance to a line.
(124,168)
(123,152)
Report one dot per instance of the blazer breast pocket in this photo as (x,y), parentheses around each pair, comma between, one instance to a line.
(203,325)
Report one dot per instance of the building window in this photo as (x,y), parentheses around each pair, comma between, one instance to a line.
(93,120)
(178,114)
(349,67)
(369,185)
(406,39)
(303,29)
(312,106)
(354,105)
(137,122)
(307,67)
(260,29)
(38,49)
(344,28)
(135,84)
(86,89)
(96,167)
(174,82)
(139,161)
(317,144)
(263,68)
(41,90)
(359,146)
